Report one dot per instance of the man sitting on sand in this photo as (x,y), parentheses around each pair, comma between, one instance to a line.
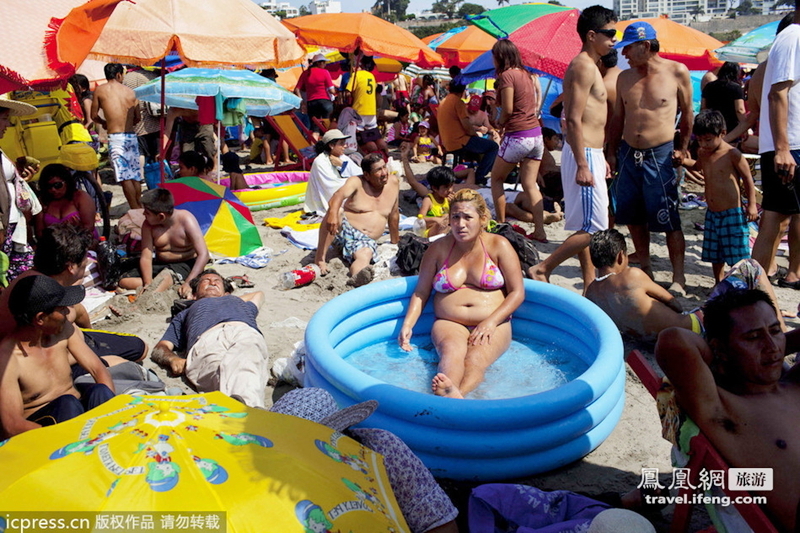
(357,216)
(225,350)
(641,307)
(36,382)
(174,237)
(731,385)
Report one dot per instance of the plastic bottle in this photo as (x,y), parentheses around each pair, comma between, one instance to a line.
(419,226)
(298,278)
(449,159)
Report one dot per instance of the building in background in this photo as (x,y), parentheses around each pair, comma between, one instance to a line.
(325,6)
(686,11)
(273,7)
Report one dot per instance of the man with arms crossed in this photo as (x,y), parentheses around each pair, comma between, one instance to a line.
(730,385)
(121,111)
(357,216)
(649,96)
(583,165)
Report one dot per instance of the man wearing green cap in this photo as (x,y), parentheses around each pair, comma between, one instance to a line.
(650,94)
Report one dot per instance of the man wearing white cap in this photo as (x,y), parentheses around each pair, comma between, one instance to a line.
(649,96)
(318,87)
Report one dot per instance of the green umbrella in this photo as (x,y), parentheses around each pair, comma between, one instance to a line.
(504,20)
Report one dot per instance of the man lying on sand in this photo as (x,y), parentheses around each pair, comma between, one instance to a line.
(357,216)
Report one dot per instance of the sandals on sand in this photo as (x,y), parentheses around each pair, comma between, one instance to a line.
(243,282)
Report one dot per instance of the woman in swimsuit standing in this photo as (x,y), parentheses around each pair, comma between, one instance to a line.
(478,283)
(62,202)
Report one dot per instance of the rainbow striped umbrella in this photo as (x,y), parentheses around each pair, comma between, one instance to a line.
(226,222)
(503,21)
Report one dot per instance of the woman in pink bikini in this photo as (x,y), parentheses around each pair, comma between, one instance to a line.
(62,202)
(478,284)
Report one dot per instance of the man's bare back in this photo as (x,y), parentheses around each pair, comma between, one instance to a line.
(119,105)
(649,98)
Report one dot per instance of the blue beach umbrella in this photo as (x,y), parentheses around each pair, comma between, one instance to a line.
(752,47)
(261,96)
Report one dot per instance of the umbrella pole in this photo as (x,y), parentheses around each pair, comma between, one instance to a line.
(162,121)
(218,125)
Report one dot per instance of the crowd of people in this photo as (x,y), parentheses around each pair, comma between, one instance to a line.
(627,136)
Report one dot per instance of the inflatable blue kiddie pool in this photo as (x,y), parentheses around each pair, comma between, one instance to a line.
(477,439)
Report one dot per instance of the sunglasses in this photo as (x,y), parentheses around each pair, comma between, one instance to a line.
(610,32)
(57,185)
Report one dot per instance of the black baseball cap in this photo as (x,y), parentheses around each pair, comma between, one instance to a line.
(35,294)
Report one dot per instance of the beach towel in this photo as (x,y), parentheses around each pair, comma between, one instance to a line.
(258,258)
(293,220)
(505,508)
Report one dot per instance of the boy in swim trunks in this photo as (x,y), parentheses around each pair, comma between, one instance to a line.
(121,110)
(726,237)
(357,216)
(171,238)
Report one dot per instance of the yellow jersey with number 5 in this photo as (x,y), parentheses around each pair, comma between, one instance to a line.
(363,87)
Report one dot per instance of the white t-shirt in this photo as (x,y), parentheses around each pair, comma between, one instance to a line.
(325,180)
(783,65)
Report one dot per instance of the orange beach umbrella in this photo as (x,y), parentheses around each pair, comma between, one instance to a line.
(686,45)
(347,32)
(464,47)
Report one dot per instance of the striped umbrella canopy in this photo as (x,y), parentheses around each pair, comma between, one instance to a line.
(503,21)
(262,96)
(460,46)
(227,223)
(752,47)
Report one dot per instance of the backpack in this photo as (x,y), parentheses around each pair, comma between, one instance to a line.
(528,255)
(410,250)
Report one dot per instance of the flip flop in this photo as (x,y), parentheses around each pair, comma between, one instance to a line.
(789,284)
(243,282)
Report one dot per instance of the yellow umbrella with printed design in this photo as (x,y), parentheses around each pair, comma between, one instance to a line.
(199,457)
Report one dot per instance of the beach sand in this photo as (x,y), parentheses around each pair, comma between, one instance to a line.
(616,465)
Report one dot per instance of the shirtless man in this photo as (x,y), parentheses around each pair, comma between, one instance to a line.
(649,96)
(730,385)
(121,110)
(583,165)
(176,240)
(610,72)
(36,382)
(357,216)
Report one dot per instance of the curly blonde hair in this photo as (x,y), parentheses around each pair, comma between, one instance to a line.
(473,197)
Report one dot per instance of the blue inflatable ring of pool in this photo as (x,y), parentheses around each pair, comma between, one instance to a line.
(478,440)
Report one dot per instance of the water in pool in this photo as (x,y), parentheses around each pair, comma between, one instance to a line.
(529,366)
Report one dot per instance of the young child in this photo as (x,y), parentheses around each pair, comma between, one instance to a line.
(171,236)
(435,208)
(425,147)
(638,305)
(726,237)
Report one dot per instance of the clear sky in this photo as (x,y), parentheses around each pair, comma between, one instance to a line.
(354,6)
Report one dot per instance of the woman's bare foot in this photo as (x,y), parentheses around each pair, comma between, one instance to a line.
(442,386)
(549,217)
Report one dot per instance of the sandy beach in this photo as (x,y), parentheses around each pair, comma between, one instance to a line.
(616,465)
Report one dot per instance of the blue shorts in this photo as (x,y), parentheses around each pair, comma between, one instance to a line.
(726,238)
(352,240)
(646,188)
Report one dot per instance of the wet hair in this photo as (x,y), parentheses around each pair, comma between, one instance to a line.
(112,69)
(473,197)
(56,170)
(367,63)
(440,176)
(80,83)
(729,71)
(785,22)
(60,245)
(227,286)
(610,59)
(193,159)
(369,161)
(548,132)
(709,121)
(717,311)
(594,18)
(158,201)
(506,55)
(605,246)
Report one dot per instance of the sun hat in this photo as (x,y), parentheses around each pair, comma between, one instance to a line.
(333,135)
(35,294)
(635,32)
(318,405)
(319,57)
(18,109)
(620,521)
(78,156)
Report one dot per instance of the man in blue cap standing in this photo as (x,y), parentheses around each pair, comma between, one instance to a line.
(650,94)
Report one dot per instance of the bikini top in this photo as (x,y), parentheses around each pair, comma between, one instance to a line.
(72,218)
(491,278)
